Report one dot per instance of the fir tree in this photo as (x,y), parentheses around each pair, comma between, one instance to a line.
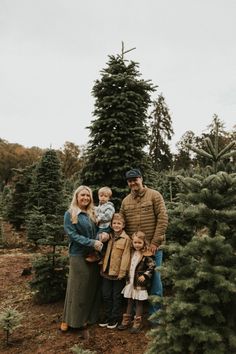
(45,227)
(199,316)
(10,319)
(211,149)
(36,225)
(1,233)
(78,350)
(161,132)
(183,158)
(47,186)
(17,205)
(119,132)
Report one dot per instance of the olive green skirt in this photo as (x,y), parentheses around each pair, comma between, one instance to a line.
(82,302)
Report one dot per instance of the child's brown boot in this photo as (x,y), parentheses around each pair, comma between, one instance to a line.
(138,324)
(126,321)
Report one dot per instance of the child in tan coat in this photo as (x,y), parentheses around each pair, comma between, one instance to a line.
(114,270)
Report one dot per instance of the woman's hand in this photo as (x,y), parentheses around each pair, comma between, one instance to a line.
(104,237)
(98,245)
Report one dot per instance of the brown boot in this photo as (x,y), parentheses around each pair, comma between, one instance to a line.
(138,324)
(126,321)
(64,327)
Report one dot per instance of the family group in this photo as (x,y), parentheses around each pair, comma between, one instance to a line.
(113,254)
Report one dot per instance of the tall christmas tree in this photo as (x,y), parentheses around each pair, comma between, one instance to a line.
(119,132)
(199,317)
(46,214)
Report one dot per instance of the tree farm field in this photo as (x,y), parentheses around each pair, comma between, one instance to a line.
(39,331)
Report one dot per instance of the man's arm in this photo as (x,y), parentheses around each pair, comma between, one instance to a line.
(161,222)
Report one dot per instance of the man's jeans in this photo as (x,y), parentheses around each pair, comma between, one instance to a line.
(156,288)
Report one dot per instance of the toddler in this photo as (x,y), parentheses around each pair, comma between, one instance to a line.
(104,212)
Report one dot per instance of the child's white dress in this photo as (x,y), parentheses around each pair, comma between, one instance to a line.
(129,291)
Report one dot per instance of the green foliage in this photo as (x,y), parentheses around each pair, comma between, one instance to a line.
(49,283)
(6,197)
(10,319)
(209,202)
(160,133)
(47,187)
(78,350)
(183,158)
(1,233)
(119,132)
(36,225)
(165,182)
(211,151)
(199,318)
(16,211)
(45,228)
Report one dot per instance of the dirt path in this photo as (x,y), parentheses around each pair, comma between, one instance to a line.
(39,333)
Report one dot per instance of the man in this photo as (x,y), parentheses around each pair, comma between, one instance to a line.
(144,209)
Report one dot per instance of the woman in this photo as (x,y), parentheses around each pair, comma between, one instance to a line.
(82,294)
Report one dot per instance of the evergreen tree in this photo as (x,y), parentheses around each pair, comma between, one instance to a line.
(161,132)
(199,316)
(183,158)
(47,185)
(47,206)
(118,134)
(215,138)
(1,233)
(10,319)
(36,225)
(17,205)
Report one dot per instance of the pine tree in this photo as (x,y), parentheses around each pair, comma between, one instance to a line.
(36,225)
(17,205)
(45,227)
(161,132)
(199,316)
(183,158)
(10,319)
(119,132)
(1,233)
(47,186)
(212,151)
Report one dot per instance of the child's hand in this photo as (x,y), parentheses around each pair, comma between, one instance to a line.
(141,278)
(104,236)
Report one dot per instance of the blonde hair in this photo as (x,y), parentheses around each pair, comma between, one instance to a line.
(118,216)
(141,235)
(74,208)
(106,190)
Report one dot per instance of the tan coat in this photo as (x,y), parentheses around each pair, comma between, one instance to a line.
(117,257)
(146,213)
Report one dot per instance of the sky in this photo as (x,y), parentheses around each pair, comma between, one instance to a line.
(52,51)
